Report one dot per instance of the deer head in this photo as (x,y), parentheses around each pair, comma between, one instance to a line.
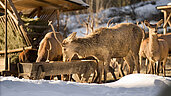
(68,47)
(153,28)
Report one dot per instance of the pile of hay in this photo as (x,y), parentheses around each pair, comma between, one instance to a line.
(14,38)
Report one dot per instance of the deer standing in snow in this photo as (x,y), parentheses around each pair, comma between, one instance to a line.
(156,50)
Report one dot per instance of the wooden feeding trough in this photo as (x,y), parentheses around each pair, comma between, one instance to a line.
(45,10)
(41,69)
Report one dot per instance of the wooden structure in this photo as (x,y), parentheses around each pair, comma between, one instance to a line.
(167,16)
(43,9)
(40,70)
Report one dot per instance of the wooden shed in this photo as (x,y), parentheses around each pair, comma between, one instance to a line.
(43,9)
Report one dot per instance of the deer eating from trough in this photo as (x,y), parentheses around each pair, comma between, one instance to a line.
(122,40)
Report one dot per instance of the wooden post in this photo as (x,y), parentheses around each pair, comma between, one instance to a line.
(6,54)
(58,17)
(165,20)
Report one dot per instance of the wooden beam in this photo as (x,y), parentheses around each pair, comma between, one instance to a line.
(164,7)
(15,50)
(167,20)
(35,26)
(6,47)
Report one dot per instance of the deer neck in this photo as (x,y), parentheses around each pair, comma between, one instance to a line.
(84,48)
(153,42)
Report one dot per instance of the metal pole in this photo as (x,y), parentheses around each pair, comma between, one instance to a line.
(6,54)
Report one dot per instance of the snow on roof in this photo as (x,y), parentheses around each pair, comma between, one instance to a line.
(169,3)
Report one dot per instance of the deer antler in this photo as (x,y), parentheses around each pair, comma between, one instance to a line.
(50,23)
(109,21)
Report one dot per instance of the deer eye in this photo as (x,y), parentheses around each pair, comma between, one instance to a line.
(64,49)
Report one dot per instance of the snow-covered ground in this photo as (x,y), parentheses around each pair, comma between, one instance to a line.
(130,85)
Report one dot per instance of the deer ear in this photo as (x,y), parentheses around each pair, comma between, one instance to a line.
(72,36)
(147,23)
(159,23)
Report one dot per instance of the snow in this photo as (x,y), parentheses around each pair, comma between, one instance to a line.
(130,85)
(169,3)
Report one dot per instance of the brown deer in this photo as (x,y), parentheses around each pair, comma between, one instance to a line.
(155,50)
(167,38)
(122,40)
(50,48)
(28,55)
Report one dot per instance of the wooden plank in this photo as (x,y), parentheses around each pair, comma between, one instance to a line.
(163,7)
(167,20)
(35,26)
(2,63)
(15,50)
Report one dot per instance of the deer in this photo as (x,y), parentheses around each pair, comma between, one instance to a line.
(154,49)
(49,48)
(120,41)
(28,55)
(167,38)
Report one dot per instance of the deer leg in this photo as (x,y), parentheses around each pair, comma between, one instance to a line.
(164,69)
(130,62)
(94,75)
(120,70)
(146,65)
(125,67)
(140,60)
(152,67)
(99,72)
(112,72)
(135,59)
(158,67)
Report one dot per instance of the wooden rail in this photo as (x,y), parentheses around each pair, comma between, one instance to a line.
(15,50)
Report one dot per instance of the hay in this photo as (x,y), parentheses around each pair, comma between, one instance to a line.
(14,38)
